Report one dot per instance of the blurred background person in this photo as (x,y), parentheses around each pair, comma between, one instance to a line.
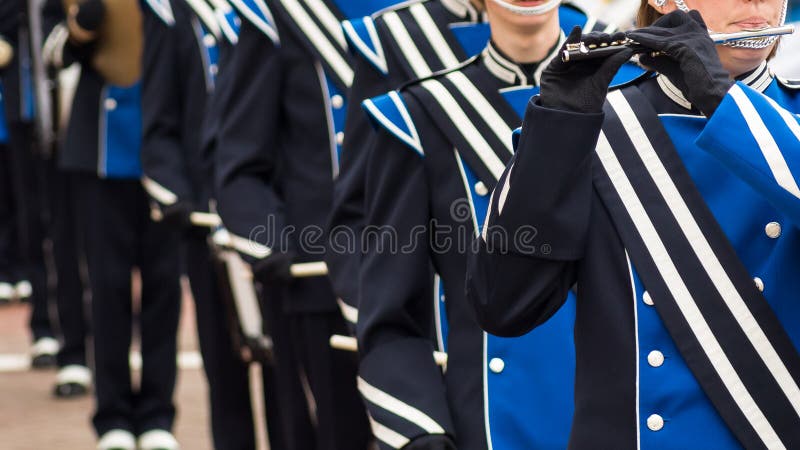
(23,273)
(101,152)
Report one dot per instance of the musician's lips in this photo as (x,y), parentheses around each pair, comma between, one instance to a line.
(752,23)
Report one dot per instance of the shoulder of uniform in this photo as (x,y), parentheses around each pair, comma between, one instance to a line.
(390,112)
(634,79)
(397,7)
(162,9)
(257,13)
(788,82)
(571,14)
(362,37)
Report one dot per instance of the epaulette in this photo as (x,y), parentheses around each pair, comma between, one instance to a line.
(644,76)
(390,112)
(206,15)
(163,10)
(362,37)
(788,83)
(258,14)
(229,21)
(570,14)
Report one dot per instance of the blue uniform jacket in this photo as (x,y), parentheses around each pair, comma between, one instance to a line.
(104,134)
(633,388)
(429,174)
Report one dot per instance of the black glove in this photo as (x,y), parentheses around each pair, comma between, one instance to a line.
(431,442)
(178,215)
(90,15)
(581,86)
(688,58)
(275,268)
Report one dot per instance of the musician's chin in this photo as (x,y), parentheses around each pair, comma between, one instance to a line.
(742,60)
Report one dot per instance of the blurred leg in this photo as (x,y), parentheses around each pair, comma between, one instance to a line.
(110,252)
(228,381)
(158,261)
(341,416)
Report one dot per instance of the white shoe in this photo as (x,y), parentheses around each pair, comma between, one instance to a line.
(45,346)
(74,373)
(72,381)
(23,289)
(158,440)
(43,353)
(7,291)
(117,440)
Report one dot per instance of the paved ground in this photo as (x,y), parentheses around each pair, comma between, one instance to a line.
(31,419)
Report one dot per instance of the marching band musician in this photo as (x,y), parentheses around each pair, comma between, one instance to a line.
(672,202)
(441,143)
(277,156)
(183,51)
(7,219)
(387,47)
(102,152)
(26,276)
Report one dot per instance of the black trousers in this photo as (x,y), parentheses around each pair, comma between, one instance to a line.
(27,176)
(8,245)
(341,418)
(292,415)
(228,376)
(302,351)
(67,242)
(119,236)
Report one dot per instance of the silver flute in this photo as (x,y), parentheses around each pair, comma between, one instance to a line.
(579,51)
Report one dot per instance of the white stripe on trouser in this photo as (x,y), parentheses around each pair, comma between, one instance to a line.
(769,148)
(398,407)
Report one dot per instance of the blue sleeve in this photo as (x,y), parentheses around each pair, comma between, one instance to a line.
(758,140)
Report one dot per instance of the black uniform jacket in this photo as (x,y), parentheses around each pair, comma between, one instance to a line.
(276,152)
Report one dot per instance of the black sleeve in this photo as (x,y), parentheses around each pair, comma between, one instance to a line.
(11,14)
(524,262)
(395,347)
(247,147)
(166,174)
(346,221)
